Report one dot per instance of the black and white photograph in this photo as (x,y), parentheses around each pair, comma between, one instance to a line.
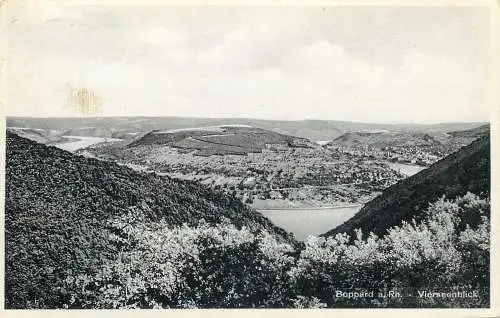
(162,156)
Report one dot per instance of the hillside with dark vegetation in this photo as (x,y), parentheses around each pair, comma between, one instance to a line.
(467,170)
(59,207)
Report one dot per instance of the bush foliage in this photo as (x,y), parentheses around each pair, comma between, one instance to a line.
(219,266)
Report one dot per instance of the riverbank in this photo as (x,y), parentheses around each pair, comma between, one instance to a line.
(284,204)
(330,207)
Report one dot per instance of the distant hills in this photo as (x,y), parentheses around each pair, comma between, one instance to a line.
(385,139)
(58,207)
(43,136)
(465,170)
(480,131)
(420,147)
(405,138)
(126,127)
(221,140)
(464,137)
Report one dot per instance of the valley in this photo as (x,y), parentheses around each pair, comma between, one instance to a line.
(294,181)
(207,158)
(189,208)
(277,175)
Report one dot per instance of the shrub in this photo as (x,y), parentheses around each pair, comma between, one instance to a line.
(202,266)
(449,248)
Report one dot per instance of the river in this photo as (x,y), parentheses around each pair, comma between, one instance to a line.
(407,169)
(313,221)
(82,142)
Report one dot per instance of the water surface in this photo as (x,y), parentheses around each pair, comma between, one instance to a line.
(407,169)
(305,222)
(82,142)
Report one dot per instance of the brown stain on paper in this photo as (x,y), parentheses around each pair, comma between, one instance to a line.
(85,102)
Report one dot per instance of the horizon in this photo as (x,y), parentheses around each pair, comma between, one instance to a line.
(255,119)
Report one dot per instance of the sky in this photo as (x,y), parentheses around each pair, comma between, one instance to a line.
(370,64)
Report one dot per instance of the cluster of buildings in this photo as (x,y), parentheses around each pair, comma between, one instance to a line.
(408,154)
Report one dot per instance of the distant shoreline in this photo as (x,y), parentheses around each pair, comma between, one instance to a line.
(354,205)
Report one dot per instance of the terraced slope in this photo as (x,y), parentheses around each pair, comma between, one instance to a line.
(221,140)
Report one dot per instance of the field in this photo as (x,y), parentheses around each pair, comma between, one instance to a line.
(221,140)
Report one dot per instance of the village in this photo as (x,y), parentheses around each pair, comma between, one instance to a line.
(418,155)
(311,176)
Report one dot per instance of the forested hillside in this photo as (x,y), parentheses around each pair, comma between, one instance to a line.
(467,170)
(58,207)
